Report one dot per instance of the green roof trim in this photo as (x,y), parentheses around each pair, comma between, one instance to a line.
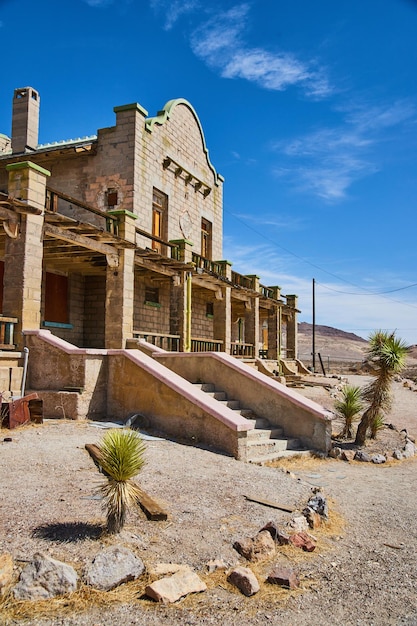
(135,106)
(164,115)
(23,165)
(123,212)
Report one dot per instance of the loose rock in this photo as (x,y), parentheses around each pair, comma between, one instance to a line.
(378,459)
(259,548)
(112,567)
(245,580)
(177,586)
(45,578)
(303,540)
(284,576)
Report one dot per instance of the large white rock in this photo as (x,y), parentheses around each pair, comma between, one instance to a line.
(45,578)
(171,589)
(112,567)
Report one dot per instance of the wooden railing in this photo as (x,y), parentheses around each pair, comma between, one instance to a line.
(210,266)
(7,325)
(171,343)
(243,350)
(206,345)
(242,281)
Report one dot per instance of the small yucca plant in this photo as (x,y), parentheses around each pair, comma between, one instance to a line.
(121,458)
(388,354)
(348,407)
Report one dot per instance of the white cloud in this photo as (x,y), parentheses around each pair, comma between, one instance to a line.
(277,221)
(336,304)
(328,161)
(99,3)
(219,42)
(173,9)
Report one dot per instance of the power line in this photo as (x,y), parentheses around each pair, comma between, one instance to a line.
(318,267)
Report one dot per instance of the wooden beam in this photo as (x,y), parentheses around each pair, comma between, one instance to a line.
(78,240)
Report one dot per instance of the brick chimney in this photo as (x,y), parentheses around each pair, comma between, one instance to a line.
(25,120)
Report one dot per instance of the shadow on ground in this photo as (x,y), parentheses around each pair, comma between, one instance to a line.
(69,532)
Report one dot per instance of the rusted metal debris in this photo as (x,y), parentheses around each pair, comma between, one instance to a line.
(20,411)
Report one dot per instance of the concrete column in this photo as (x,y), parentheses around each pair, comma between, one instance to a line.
(252,325)
(222,322)
(292,328)
(184,251)
(27,182)
(24,249)
(180,321)
(226,268)
(274,333)
(120,287)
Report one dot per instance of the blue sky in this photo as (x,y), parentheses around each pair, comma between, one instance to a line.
(309,111)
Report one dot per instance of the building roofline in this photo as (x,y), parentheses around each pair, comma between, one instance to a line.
(163,116)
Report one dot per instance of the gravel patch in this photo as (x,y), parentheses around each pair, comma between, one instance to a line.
(363,571)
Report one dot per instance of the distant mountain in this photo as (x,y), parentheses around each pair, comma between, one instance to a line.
(328,331)
(330,343)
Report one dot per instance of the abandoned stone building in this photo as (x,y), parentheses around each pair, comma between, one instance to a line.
(132,236)
(116,239)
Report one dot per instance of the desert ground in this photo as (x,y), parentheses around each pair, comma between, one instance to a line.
(363,570)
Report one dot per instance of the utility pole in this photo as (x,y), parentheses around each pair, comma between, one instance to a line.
(314,326)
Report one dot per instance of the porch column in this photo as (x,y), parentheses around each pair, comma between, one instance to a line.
(222,322)
(24,249)
(252,324)
(274,333)
(180,323)
(120,286)
(292,327)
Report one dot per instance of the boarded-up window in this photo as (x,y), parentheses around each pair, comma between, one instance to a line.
(206,238)
(159,219)
(152,295)
(56,298)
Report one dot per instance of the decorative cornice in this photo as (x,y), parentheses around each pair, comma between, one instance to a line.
(164,115)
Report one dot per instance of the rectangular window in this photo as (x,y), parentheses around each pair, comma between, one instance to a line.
(206,229)
(111,195)
(151,295)
(209,309)
(56,298)
(159,220)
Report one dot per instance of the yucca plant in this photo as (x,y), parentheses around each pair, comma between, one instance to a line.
(388,354)
(347,408)
(121,458)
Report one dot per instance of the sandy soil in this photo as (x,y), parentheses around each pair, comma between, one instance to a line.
(363,571)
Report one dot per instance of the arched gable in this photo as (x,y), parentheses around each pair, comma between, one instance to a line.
(163,116)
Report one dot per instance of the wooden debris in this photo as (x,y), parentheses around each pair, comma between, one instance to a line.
(273,505)
(152,509)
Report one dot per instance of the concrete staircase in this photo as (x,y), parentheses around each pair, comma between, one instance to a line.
(265,442)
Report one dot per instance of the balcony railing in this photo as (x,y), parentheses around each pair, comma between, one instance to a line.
(171,343)
(242,350)
(215,267)
(7,325)
(206,345)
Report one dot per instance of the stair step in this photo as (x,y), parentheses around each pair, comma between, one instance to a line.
(261,447)
(208,387)
(231,404)
(258,422)
(265,433)
(275,456)
(218,395)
